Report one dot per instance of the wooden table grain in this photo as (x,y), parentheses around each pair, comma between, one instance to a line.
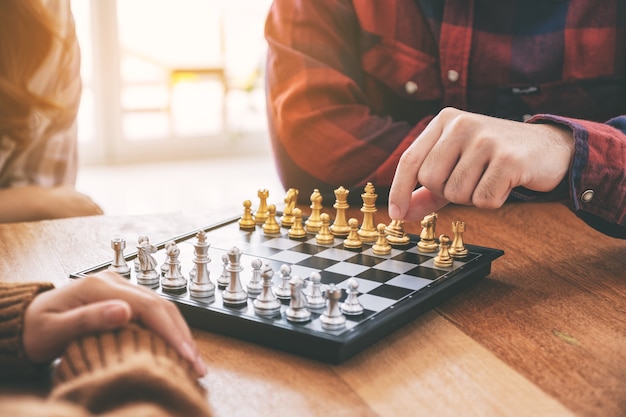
(543,335)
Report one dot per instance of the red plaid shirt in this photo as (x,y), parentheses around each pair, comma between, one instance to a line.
(351,83)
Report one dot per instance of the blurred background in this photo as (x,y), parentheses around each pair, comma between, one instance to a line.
(173,109)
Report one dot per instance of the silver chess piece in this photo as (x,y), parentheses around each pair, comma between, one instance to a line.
(283,291)
(315,298)
(351,306)
(297,311)
(234,295)
(333,318)
(201,285)
(266,304)
(255,286)
(119,264)
(146,265)
(173,281)
(224,278)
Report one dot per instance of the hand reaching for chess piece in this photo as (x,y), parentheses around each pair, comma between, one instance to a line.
(472,159)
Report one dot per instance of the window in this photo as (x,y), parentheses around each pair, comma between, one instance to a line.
(170,79)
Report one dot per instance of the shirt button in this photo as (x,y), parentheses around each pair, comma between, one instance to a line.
(453,75)
(586,196)
(410,87)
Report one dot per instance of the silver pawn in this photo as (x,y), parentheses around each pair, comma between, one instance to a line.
(254,286)
(173,281)
(224,278)
(234,295)
(351,306)
(266,304)
(201,285)
(283,291)
(119,264)
(164,266)
(297,311)
(315,298)
(332,318)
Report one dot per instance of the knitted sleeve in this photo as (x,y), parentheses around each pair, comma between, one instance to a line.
(130,371)
(14,298)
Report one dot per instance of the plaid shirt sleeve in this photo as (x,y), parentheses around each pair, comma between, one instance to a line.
(323,120)
(597,179)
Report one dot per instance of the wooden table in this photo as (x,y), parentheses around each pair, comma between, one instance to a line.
(543,335)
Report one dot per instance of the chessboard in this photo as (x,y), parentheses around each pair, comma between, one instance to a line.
(257,285)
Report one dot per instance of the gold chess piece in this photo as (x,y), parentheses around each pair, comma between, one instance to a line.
(314,222)
(291,198)
(427,241)
(271,226)
(340,225)
(353,241)
(368,232)
(297,229)
(457,248)
(381,247)
(395,233)
(261,214)
(443,258)
(324,236)
(247,220)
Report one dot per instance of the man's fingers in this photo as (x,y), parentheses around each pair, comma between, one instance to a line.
(405,177)
(423,202)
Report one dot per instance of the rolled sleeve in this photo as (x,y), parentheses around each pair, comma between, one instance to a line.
(597,178)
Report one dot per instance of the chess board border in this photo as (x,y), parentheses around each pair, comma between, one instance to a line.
(325,347)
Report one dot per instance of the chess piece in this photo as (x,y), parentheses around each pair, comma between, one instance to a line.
(314,222)
(224,278)
(164,265)
(340,225)
(353,241)
(395,234)
(291,198)
(315,299)
(352,306)
(119,264)
(140,241)
(381,247)
(457,248)
(333,318)
(271,226)
(266,304)
(324,236)
(427,241)
(146,265)
(247,221)
(283,291)
(254,286)
(297,311)
(201,285)
(173,281)
(261,214)
(443,258)
(234,295)
(368,232)
(297,229)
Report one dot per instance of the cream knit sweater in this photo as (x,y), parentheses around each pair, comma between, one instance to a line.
(127,372)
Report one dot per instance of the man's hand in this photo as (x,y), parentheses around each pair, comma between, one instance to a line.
(101,302)
(471,159)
